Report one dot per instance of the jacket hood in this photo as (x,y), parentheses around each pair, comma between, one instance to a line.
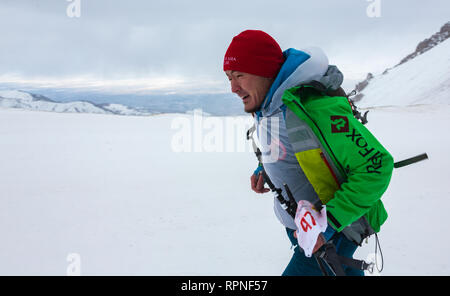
(300,66)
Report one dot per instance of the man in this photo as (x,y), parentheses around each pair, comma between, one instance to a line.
(309,140)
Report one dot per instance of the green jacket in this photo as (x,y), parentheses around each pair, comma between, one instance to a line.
(352,183)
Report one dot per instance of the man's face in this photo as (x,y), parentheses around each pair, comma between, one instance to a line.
(252,89)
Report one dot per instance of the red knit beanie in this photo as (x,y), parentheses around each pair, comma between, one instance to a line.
(254,52)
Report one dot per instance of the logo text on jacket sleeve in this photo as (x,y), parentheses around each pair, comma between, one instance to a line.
(374,157)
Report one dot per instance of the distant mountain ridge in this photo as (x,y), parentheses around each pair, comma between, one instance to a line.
(429,43)
(30,101)
(216,104)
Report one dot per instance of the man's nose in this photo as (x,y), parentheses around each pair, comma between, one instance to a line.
(235,87)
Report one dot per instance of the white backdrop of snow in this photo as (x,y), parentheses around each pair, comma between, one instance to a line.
(111,189)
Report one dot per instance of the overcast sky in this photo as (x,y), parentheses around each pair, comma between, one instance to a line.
(180,42)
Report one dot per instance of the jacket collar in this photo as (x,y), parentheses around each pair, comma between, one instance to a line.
(300,66)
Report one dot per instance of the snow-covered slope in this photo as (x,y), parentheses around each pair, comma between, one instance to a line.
(112,190)
(422,80)
(24,100)
(422,77)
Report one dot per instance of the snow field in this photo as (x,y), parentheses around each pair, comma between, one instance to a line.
(110,189)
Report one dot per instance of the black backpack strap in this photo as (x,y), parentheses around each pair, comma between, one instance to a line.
(335,262)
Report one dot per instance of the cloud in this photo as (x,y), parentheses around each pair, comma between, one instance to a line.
(119,40)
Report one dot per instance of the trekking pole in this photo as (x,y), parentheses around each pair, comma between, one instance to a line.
(292,203)
(320,263)
(284,204)
(411,160)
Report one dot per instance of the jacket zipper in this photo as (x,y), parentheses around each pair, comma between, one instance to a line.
(330,169)
(329,214)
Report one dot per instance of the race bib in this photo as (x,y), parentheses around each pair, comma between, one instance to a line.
(310,223)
